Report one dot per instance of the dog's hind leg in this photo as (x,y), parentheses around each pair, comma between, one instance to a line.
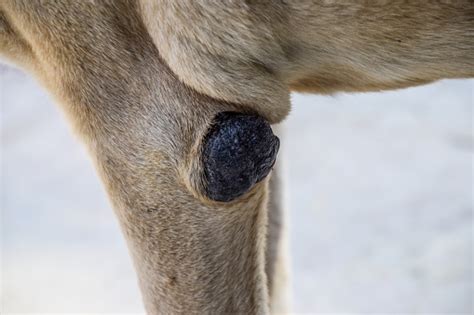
(277,256)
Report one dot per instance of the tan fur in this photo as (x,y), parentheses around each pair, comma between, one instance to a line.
(141,81)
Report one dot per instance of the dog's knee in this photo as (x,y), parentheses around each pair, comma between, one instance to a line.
(238,151)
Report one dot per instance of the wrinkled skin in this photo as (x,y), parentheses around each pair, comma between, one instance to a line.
(239,151)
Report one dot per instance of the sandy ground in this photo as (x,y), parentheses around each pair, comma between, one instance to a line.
(381,206)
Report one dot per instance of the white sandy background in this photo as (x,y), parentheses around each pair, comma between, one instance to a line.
(381,206)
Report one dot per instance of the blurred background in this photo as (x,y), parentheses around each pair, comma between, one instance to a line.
(381,206)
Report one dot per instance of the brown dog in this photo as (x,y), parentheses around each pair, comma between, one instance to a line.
(173,99)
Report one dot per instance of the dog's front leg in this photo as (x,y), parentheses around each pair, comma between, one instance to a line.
(193,207)
(186,174)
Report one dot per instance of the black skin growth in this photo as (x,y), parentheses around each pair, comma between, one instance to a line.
(239,151)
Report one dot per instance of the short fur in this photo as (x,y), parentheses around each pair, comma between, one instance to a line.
(142,80)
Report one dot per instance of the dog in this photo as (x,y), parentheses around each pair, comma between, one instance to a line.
(175,101)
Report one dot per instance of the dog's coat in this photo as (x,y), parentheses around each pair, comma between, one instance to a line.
(141,82)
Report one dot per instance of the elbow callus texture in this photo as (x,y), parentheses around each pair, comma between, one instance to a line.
(239,151)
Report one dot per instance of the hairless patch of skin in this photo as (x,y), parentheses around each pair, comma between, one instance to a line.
(239,151)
